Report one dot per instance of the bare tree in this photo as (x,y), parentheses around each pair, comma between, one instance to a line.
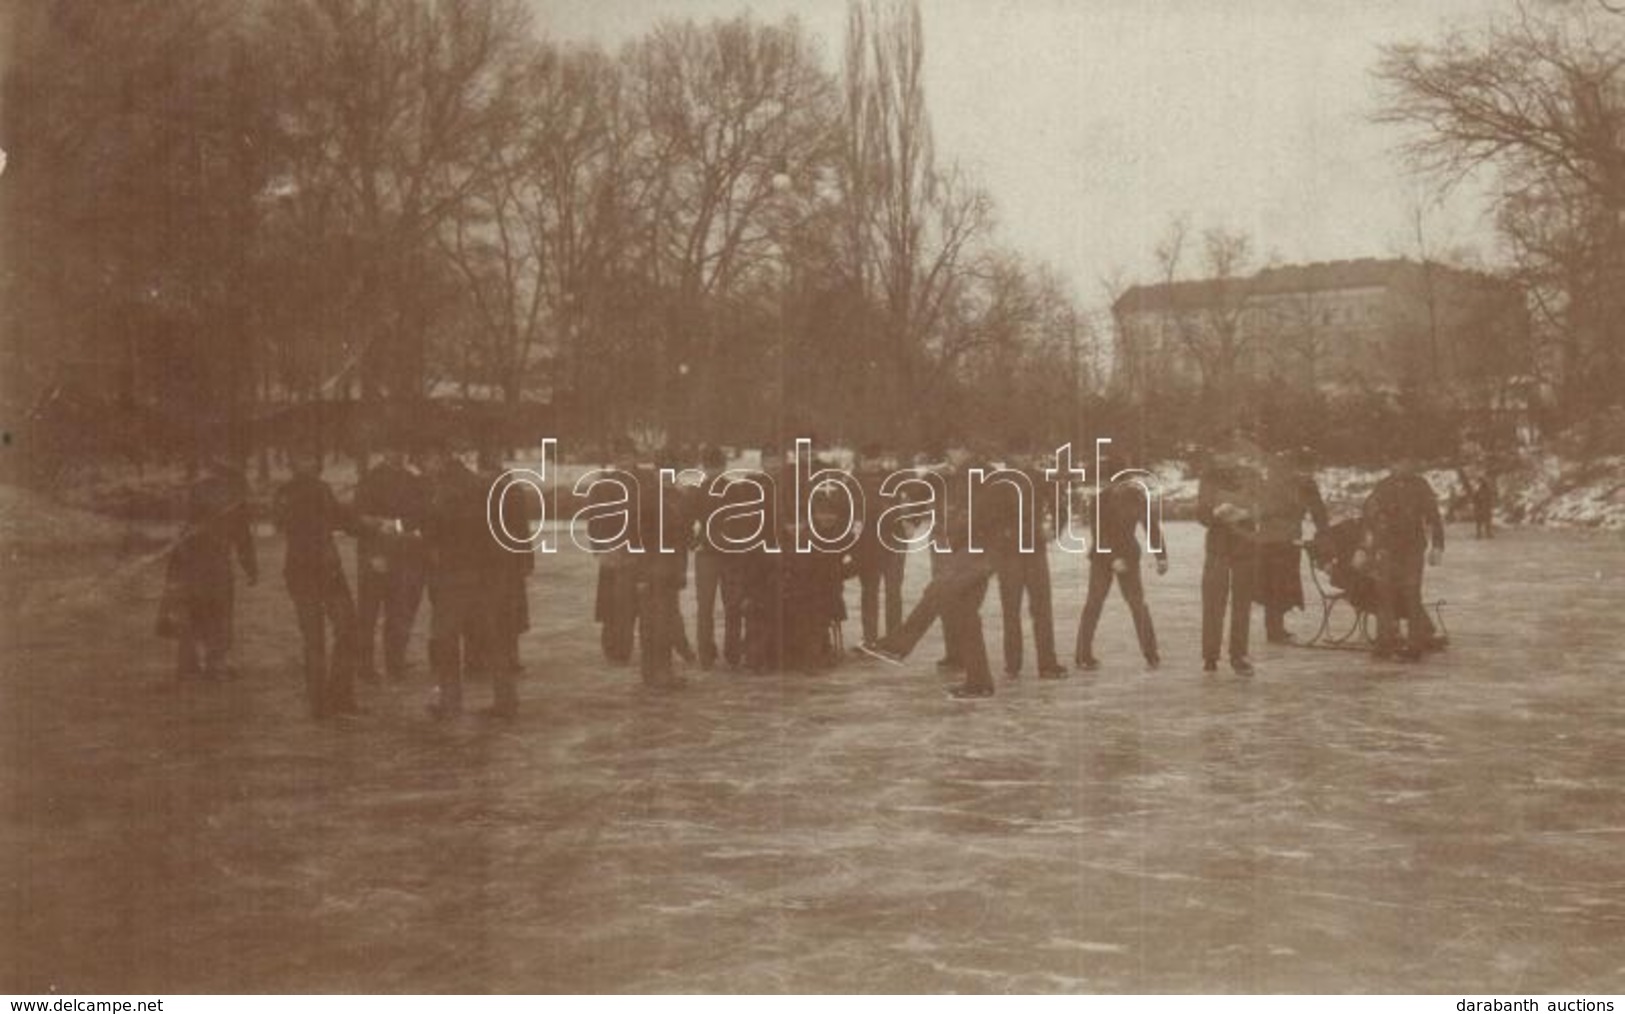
(1211,318)
(386,115)
(1537,101)
(137,133)
(912,227)
(722,111)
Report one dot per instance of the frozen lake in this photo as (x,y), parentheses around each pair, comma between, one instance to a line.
(1330,824)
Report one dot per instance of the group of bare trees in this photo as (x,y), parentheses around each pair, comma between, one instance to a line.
(707,235)
(1532,104)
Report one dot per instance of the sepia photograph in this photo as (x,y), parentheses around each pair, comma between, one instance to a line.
(812,497)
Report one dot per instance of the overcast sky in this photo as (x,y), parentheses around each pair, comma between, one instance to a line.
(1094,122)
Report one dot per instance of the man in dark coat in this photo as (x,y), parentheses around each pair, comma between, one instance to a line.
(718,570)
(879,567)
(714,579)
(509,599)
(616,603)
(1023,530)
(1122,509)
(389,560)
(462,556)
(308,514)
(216,527)
(764,566)
(659,574)
(1402,520)
(1229,503)
(814,604)
(684,501)
(1290,492)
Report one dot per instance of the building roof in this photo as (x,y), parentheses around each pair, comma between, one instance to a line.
(1323,276)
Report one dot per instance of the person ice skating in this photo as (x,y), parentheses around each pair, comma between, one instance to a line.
(518,510)
(389,561)
(1484,507)
(957,587)
(1026,525)
(462,556)
(721,571)
(200,571)
(308,514)
(659,573)
(611,536)
(1290,493)
(714,581)
(1123,509)
(1406,535)
(1228,504)
(878,564)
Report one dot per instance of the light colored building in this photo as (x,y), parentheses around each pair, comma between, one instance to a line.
(1339,326)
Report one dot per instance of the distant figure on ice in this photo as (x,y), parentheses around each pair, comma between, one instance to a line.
(201,591)
(1484,507)
(308,514)
(1402,519)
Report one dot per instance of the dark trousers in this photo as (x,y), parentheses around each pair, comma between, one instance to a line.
(323,605)
(1132,589)
(657,611)
(1399,597)
(763,608)
(1483,526)
(617,606)
(394,594)
(459,618)
(676,629)
(877,568)
(813,610)
(1280,585)
(206,629)
(1228,576)
(1026,574)
(950,646)
(955,596)
(503,618)
(719,575)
